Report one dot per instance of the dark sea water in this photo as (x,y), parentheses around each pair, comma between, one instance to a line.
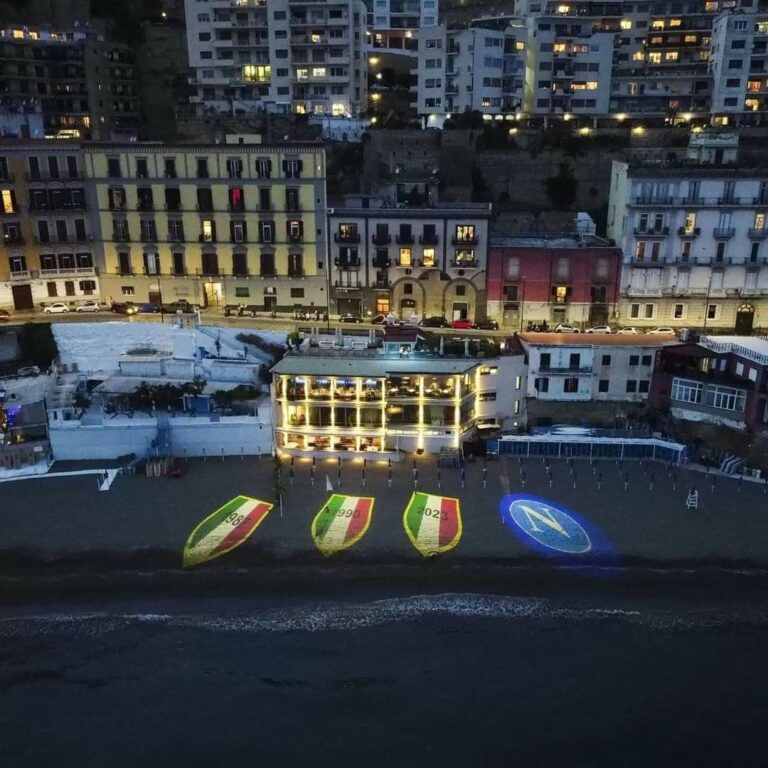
(385,680)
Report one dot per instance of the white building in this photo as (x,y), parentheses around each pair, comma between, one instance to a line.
(575,367)
(288,56)
(394,24)
(478,68)
(694,241)
(737,64)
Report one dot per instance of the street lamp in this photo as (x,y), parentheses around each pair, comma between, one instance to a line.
(522,304)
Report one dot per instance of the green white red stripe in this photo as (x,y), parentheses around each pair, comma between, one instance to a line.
(342,522)
(228,527)
(433,523)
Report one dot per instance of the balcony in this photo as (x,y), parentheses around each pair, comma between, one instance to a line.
(729,200)
(653,232)
(381,263)
(723,233)
(204,208)
(69,272)
(565,370)
(20,274)
(206,239)
(656,263)
(688,232)
(347,263)
(428,239)
(464,240)
(378,239)
(653,201)
(145,206)
(404,239)
(464,264)
(295,272)
(56,240)
(346,237)
(13,240)
(758,233)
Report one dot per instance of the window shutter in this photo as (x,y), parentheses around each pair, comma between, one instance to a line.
(231,231)
(146,263)
(245,232)
(568,292)
(554,290)
(285,168)
(300,166)
(301,228)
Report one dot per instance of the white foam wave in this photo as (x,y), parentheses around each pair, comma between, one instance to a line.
(355,616)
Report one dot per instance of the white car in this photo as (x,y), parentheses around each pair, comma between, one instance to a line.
(663,331)
(628,332)
(566,329)
(57,308)
(599,329)
(89,306)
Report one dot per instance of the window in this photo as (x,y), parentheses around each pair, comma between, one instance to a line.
(542,385)
(487,396)
(405,257)
(544,360)
(263,168)
(178,263)
(7,201)
(202,167)
(208,231)
(643,386)
(297,293)
(647,360)
(602,385)
(141,168)
(678,312)
(489,370)
(518,382)
(465,257)
(266,232)
(408,289)
(461,290)
(687,391)
(465,233)
(570,385)
(242,292)
(234,168)
(634,359)
(606,360)
(238,232)
(712,311)
(725,398)
(294,230)
(292,169)
(631,385)
(292,199)
(113,167)
(428,257)
(257,73)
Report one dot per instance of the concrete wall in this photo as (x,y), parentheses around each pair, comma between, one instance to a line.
(236,435)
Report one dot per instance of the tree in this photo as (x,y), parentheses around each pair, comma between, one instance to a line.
(37,344)
(561,188)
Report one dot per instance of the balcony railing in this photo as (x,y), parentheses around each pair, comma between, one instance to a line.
(404,239)
(20,274)
(297,272)
(729,200)
(13,240)
(464,240)
(346,237)
(723,233)
(652,232)
(378,239)
(428,239)
(464,264)
(381,263)
(69,272)
(56,239)
(689,231)
(758,233)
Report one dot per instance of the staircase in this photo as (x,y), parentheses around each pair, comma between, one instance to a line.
(163,442)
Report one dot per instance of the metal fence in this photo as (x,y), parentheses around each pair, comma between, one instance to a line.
(588,447)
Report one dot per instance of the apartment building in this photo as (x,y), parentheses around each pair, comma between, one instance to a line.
(235,223)
(47,251)
(594,367)
(408,260)
(738,65)
(721,380)
(569,57)
(480,68)
(571,279)
(394,24)
(694,240)
(286,56)
(85,85)
(380,397)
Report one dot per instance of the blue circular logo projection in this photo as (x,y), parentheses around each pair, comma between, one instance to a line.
(552,529)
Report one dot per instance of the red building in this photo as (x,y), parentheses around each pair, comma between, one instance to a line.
(571,279)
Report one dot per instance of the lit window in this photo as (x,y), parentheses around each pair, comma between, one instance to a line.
(405,257)
(318,71)
(759,221)
(752,104)
(657,24)
(754,85)
(675,22)
(465,233)
(428,257)
(7,198)
(638,56)
(561,293)
(654,57)
(302,73)
(690,223)
(257,73)
(690,39)
(520,45)
(671,56)
(626,24)
(208,229)
(591,85)
(559,47)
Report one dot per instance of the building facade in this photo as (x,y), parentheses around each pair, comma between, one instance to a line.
(721,380)
(49,239)
(694,243)
(394,24)
(236,223)
(373,400)
(481,68)
(737,64)
(569,367)
(85,84)
(285,56)
(408,261)
(572,279)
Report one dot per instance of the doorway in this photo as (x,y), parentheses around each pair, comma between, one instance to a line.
(460,310)
(270,303)
(407,308)
(22,297)
(745,319)
(212,294)
(155,297)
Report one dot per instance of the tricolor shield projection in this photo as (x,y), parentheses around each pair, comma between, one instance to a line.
(433,523)
(342,522)
(228,527)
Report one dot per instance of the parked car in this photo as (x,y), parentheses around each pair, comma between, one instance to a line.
(350,318)
(379,319)
(182,305)
(89,306)
(628,331)
(463,324)
(436,321)
(149,309)
(663,331)
(599,329)
(28,370)
(563,328)
(5,315)
(487,325)
(57,308)
(123,307)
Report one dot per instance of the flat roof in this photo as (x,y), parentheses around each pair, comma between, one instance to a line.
(372,367)
(598,339)
(753,348)
(555,241)
(25,390)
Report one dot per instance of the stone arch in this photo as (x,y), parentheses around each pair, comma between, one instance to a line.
(470,298)
(418,297)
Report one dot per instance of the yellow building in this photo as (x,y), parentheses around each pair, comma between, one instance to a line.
(47,251)
(235,223)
